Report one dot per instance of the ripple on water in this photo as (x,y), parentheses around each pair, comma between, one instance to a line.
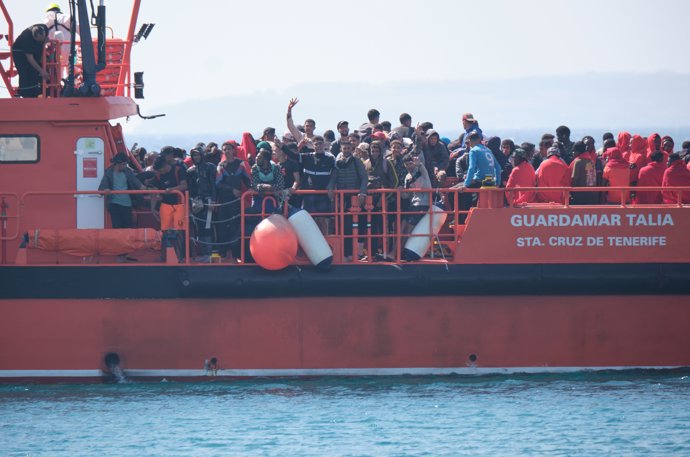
(630,413)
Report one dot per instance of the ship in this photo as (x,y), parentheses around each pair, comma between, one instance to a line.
(535,288)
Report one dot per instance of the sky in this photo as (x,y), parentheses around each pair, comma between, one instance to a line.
(212,48)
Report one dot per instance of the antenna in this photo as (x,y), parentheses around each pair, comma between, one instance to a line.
(143,32)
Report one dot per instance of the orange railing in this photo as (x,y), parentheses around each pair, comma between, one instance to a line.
(115,79)
(373,225)
(7,73)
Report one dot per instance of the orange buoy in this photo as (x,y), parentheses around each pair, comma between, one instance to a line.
(273,243)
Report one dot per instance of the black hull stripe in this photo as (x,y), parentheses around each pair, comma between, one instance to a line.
(150,282)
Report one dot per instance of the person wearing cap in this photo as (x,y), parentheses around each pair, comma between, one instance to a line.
(344,131)
(59,29)
(119,177)
(269,134)
(522,175)
(470,124)
(553,172)
(27,53)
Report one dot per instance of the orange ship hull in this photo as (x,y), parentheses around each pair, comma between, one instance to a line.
(67,339)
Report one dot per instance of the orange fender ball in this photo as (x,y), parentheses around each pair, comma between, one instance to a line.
(273,243)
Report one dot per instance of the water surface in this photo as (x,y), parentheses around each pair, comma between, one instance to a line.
(632,413)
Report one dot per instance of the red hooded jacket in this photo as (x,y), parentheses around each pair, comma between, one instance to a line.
(676,175)
(521,176)
(651,175)
(651,147)
(553,172)
(623,144)
(638,155)
(617,173)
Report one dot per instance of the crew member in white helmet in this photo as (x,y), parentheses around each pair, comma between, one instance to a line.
(59,28)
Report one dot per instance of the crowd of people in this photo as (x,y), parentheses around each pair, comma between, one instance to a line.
(378,156)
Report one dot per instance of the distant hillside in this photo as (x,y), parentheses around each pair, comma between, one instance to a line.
(590,103)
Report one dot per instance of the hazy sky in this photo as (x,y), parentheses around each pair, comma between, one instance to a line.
(207,48)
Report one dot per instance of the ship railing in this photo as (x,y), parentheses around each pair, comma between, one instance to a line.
(9,222)
(113,79)
(376,225)
(7,73)
(626,195)
(23,215)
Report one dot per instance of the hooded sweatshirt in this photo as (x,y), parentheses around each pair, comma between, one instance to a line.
(623,145)
(651,147)
(638,156)
(494,144)
(617,173)
(651,175)
(437,156)
(553,172)
(676,175)
(521,176)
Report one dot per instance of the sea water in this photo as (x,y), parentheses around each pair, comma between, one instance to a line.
(587,414)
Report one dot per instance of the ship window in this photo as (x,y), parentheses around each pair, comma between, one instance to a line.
(19,148)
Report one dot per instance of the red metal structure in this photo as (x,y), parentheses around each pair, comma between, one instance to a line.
(541,287)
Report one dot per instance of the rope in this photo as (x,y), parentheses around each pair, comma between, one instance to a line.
(214,222)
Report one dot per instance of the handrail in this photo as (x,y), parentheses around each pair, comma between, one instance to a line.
(370,214)
(7,74)
(4,238)
(183,196)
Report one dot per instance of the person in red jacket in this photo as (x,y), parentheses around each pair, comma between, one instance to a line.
(521,176)
(553,172)
(667,145)
(653,144)
(616,174)
(676,175)
(638,156)
(623,144)
(651,175)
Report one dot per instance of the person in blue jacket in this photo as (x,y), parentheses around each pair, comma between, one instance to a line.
(483,169)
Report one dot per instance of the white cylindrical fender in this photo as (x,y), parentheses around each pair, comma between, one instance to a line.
(310,238)
(416,246)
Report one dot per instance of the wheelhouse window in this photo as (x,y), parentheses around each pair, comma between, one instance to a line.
(19,149)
